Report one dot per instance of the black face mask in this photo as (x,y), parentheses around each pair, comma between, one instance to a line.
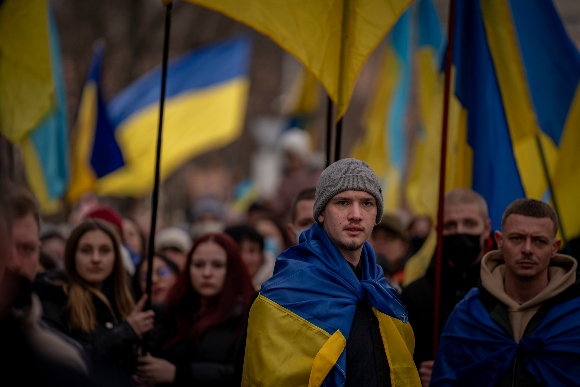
(461,249)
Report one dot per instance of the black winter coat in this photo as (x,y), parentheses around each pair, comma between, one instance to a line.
(213,361)
(418,297)
(111,348)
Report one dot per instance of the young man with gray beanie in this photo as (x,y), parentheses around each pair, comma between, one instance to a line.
(328,316)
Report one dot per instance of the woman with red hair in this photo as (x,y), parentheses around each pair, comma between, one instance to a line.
(204,318)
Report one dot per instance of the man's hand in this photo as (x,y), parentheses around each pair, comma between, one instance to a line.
(425,370)
(153,370)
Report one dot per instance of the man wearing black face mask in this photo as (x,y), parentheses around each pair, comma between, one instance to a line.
(466,237)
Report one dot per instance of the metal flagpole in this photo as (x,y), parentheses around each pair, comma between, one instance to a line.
(155,198)
(439,251)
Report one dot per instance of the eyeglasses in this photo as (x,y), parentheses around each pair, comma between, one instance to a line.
(162,272)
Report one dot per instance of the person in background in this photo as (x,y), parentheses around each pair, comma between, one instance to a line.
(175,244)
(204,318)
(258,263)
(134,238)
(297,174)
(111,216)
(520,326)
(27,346)
(22,269)
(275,238)
(52,242)
(165,273)
(93,304)
(301,216)
(207,215)
(418,230)
(466,230)
(391,243)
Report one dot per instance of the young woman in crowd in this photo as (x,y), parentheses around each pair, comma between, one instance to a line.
(164,276)
(204,318)
(94,306)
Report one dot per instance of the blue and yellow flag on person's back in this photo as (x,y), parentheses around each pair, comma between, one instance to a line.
(332,38)
(32,97)
(204,109)
(95,151)
(516,76)
(384,144)
(300,323)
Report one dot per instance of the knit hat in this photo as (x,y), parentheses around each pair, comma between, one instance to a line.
(344,175)
(393,225)
(173,237)
(107,214)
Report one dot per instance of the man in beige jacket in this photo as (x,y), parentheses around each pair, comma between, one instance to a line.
(520,328)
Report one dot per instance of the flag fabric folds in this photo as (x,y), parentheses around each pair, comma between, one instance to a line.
(95,151)
(384,144)
(332,38)
(32,97)
(313,295)
(423,180)
(204,109)
(516,78)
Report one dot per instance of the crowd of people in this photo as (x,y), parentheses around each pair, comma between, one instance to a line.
(315,297)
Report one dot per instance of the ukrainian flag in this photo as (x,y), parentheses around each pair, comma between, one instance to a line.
(300,323)
(332,38)
(423,180)
(516,81)
(384,143)
(95,151)
(204,109)
(32,97)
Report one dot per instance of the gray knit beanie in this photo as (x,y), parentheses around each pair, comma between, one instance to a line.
(345,175)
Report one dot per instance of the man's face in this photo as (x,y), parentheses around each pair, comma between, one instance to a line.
(462,218)
(24,261)
(392,246)
(348,219)
(527,244)
(304,219)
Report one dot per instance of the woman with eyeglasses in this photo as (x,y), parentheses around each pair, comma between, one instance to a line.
(163,278)
(203,320)
(94,306)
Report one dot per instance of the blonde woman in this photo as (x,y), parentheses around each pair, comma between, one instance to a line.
(93,304)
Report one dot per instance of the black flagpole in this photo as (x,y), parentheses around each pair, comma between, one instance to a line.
(439,250)
(155,198)
(329,125)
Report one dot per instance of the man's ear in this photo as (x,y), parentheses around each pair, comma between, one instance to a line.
(556,246)
(320,218)
(498,239)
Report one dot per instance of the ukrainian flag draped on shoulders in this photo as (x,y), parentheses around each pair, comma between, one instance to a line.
(301,320)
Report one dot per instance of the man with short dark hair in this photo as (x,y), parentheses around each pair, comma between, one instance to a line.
(328,316)
(25,234)
(301,216)
(520,327)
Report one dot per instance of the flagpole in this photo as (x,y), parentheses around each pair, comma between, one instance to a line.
(329,124)
(338,140)
(551,188)
(155,198)
(439,251)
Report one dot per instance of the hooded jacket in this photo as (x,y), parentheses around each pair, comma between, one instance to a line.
(490,340)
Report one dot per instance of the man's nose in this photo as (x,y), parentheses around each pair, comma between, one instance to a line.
(527,248)
(355,212)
